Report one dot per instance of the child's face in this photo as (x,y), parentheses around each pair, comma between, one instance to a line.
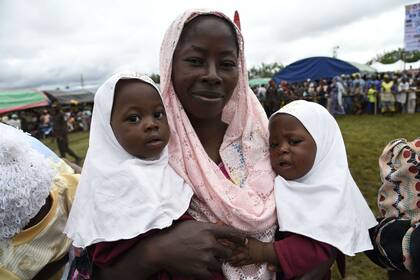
(292,148)
(139,120)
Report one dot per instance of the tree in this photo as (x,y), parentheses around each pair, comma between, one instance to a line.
(155,78)
(264,70)
(395,55)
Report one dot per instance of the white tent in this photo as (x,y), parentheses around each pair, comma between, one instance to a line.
(397,66)
(363,68)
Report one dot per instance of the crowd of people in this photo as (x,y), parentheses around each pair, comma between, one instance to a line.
(384,93)
(39,122)
(191,180)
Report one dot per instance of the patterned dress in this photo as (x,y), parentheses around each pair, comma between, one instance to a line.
(397,238)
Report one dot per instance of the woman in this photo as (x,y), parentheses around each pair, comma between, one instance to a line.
(219,145)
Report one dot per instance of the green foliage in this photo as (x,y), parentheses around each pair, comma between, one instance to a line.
(155,78)
(264,70)
(365,137)
(395,55)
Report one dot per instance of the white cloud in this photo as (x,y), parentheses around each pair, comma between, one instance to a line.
(54,42)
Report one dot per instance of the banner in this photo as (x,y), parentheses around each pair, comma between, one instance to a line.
(412,27)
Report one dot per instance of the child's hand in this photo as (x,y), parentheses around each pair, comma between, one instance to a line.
(251,252)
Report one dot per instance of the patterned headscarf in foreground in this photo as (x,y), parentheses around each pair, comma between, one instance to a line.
(399,199)
(25,181)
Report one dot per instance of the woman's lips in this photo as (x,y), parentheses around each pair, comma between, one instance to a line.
(208,96)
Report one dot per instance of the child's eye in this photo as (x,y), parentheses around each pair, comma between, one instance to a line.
(133,119)
(273,145)
(294,141)
(159,115)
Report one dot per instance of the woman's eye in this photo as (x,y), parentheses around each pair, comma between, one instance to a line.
(133,119)
(195,61)
(159,115)
(228,64)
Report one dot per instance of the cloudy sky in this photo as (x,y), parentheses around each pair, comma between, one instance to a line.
(52,43)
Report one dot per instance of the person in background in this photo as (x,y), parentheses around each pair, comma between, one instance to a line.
(36,189)
(14,121)
(387,96)
(322,92)
(60,132)
(272,99)
(357,98)
(347,95)
(411,98)
(336,96)
(372,98)
(45,126)
(402,92)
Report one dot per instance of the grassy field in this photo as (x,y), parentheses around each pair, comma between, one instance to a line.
(365,138)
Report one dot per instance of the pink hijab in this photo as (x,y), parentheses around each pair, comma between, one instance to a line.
(245,202)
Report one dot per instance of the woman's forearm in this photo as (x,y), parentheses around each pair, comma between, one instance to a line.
(139,262)
(189,248)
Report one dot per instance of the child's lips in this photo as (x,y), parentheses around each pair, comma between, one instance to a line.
(154,143)
(285,164)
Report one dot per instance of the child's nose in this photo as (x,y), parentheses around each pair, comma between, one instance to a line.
(151,124)
(283,148)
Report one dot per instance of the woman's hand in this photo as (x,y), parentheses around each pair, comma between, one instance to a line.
(192,248)
(188,248)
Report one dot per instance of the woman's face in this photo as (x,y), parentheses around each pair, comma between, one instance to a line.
(205,67)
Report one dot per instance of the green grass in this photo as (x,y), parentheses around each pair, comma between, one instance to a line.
(365,138)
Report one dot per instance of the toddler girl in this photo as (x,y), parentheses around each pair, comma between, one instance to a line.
(127,187)
(314,188)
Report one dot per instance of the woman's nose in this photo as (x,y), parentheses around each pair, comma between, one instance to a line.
(212,76)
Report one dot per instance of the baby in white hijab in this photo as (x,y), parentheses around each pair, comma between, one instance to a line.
(315,193)
(314,185)
(127,186)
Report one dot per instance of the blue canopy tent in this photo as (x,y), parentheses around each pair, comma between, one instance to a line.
(314,68)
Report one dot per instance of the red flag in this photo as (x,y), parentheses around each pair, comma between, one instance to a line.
(236,20)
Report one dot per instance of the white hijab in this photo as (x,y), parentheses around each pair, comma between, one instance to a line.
(121,196)
(325,204)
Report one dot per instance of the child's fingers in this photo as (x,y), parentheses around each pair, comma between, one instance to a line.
(236,258)
(272,267)
(227,243)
